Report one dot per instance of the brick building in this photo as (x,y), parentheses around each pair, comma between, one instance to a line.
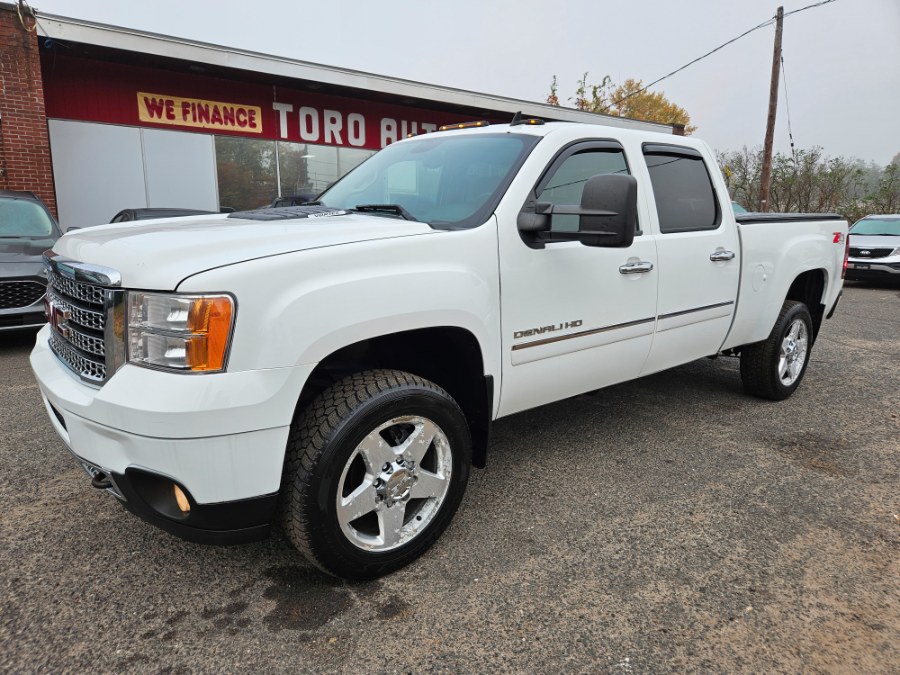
(24,142)
(95,119)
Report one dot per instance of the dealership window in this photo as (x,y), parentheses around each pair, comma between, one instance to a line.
(246,172)
(252,173)
(308,169)
(323,166)
(293,165)
(350,158)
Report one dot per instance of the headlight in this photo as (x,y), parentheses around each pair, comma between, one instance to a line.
(179,332)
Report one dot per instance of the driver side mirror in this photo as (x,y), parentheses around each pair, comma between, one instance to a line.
(607,215)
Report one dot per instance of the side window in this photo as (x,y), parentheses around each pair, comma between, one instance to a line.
(567,180)
(685,200)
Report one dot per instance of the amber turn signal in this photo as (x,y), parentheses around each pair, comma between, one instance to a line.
(181,499)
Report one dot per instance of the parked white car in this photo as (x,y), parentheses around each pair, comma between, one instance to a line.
(336,367)
(875,248)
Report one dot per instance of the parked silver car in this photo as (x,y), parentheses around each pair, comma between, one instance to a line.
(27,229)
(875,248)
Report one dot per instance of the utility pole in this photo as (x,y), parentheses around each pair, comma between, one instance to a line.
(766,177)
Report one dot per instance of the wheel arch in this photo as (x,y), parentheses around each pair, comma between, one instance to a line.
(449,356)
(809,287)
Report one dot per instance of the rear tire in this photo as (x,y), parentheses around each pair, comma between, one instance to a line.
(375,469)
(773,368)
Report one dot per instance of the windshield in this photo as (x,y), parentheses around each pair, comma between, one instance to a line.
(23,218)
(886,225)
(448,180)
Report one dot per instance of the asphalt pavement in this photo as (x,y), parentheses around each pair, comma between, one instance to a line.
(669,524)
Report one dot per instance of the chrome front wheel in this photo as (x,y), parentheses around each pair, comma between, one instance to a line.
(394,483)
(375,469)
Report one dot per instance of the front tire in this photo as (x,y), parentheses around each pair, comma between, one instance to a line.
(773,368)
(375,469)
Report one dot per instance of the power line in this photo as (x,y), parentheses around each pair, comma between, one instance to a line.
(803,9)
(769,22)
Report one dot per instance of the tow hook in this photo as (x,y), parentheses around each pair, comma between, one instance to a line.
(101,481)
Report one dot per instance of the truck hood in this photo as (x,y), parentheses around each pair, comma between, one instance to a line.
(159,254)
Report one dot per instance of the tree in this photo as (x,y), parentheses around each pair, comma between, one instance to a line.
(628,99)
(886,199)
(810,182)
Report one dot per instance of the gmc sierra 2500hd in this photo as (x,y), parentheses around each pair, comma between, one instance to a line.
(336,366)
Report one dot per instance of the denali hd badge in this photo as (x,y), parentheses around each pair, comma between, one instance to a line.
(546,329)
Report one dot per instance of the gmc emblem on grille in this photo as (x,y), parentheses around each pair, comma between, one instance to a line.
(58,318)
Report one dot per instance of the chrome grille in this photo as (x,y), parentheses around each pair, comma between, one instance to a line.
(17,294)
(88,369)
(86,318)
(80,308)
(93,295)
(87,343)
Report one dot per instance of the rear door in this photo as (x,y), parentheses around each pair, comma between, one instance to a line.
(699,262)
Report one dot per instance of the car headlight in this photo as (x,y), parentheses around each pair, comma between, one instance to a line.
(184,333)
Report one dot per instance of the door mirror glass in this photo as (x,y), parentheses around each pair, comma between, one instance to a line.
(608,214)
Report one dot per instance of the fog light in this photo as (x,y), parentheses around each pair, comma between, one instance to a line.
(181,499)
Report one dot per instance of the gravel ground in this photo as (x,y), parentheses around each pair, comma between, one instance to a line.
(665,525)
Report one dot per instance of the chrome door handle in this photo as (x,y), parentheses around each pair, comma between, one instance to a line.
(721,256)
(635,267)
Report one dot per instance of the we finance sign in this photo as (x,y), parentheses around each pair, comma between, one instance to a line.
(199,113)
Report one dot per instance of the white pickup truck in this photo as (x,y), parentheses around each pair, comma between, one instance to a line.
(336,367)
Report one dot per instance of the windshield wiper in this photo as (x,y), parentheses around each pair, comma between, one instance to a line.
(386,208)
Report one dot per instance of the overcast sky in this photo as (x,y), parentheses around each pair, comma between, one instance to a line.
(842,60)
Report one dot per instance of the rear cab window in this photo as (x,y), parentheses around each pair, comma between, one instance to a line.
(682,188)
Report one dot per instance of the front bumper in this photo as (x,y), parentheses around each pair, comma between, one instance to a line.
(221,438)
(150,497)
(873,268)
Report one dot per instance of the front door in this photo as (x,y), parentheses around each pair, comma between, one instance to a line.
(574,317)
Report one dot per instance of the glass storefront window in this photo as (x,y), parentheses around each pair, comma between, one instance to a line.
(306,169)
(249,170)
(246,172)
(350,158)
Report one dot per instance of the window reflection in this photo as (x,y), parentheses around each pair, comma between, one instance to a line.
(249,170)
(245,170)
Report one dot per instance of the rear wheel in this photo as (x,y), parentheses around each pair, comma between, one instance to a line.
(773,368)
(375,470)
